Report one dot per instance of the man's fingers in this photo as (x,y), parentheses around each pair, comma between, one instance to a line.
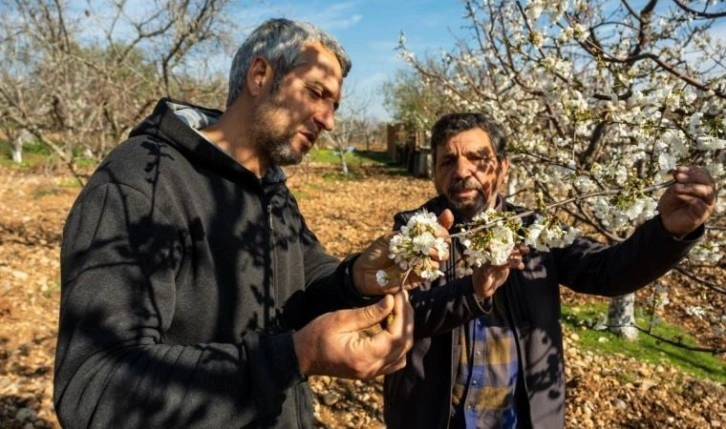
(413,281)
(399,338)
(523,249)
(705,192)
(372,314)
(403,313)
(446,219)
(515,261)
(695,180)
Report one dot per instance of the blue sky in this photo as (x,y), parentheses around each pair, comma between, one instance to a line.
(369,31)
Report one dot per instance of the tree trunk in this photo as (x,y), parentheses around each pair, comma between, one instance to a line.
(18,150)
(343,163)
(621,316)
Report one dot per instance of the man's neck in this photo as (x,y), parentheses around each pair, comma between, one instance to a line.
(232,136)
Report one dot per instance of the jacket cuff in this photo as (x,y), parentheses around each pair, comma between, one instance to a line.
(691,238)
(350,292)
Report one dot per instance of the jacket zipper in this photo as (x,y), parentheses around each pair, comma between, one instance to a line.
(520,353)
(270,222)
(450,276)
(271,293)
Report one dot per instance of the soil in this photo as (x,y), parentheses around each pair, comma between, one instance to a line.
(604,391)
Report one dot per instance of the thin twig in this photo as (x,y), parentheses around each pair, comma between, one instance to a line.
(560,203)
(705,283)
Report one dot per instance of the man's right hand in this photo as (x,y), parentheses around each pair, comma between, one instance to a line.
(335,343)
(488,278)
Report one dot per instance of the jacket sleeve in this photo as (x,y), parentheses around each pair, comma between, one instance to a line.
(328,281)
(594,268)
(442,308)
(113,368)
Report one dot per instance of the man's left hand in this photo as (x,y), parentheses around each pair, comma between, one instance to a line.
(376,258)
(688,202)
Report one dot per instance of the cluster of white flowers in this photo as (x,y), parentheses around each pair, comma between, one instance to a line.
(546,233)
(492,243)
(707,253)
(489,239)
(625,213)
(696,311)
(411,248)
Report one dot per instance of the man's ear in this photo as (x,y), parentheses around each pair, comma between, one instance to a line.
(259,75)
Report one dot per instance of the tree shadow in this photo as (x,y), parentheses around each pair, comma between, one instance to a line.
(17,411)
(164,347)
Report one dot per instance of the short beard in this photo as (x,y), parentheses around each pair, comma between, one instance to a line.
(280,150)
(273,144)
(467,210)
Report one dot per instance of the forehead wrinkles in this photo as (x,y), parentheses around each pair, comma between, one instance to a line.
(469,140)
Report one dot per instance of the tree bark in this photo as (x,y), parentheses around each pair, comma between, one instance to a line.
(621,316)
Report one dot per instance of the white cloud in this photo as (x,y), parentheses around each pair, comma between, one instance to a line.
(337,16)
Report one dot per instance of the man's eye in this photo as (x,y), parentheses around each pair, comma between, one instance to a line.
(316,93)
(446,161)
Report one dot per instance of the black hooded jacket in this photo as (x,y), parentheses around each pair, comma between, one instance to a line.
(183,276)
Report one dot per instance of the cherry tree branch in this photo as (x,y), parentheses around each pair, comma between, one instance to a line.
(561,203)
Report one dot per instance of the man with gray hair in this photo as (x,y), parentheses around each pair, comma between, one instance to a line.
(488,350)
(193,294)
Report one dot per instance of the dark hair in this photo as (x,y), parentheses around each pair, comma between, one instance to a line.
(280,41)
(454,123)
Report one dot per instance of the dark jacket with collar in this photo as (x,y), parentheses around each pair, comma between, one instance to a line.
(183,276)
(420,394)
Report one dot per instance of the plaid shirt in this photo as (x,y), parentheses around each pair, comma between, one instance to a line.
(483,395)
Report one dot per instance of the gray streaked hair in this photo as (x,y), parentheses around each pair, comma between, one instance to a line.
(280,41)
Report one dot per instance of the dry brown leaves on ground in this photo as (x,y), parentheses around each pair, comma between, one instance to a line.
(345,215)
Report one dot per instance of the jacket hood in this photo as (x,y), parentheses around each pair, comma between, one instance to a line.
(176,123)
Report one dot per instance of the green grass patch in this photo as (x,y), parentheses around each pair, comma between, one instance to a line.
(299,194)
(702,365)
(33,154)
(355,158)
(57,188)
(361,163)
(68,183)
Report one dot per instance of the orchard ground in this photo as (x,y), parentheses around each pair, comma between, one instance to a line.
(606,389)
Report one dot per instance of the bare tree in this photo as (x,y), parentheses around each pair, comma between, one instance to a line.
(351,123)
(78,80)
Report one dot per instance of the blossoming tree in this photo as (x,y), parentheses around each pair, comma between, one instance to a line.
(600,100)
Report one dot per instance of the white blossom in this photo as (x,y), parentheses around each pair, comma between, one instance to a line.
(412,246)
(382,278)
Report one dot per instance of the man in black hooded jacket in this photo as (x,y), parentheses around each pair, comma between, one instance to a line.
(193,293)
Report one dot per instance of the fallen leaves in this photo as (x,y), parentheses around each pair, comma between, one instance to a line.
(603,391)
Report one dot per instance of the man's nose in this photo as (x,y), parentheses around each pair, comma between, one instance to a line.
(463,167)
(325,117)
